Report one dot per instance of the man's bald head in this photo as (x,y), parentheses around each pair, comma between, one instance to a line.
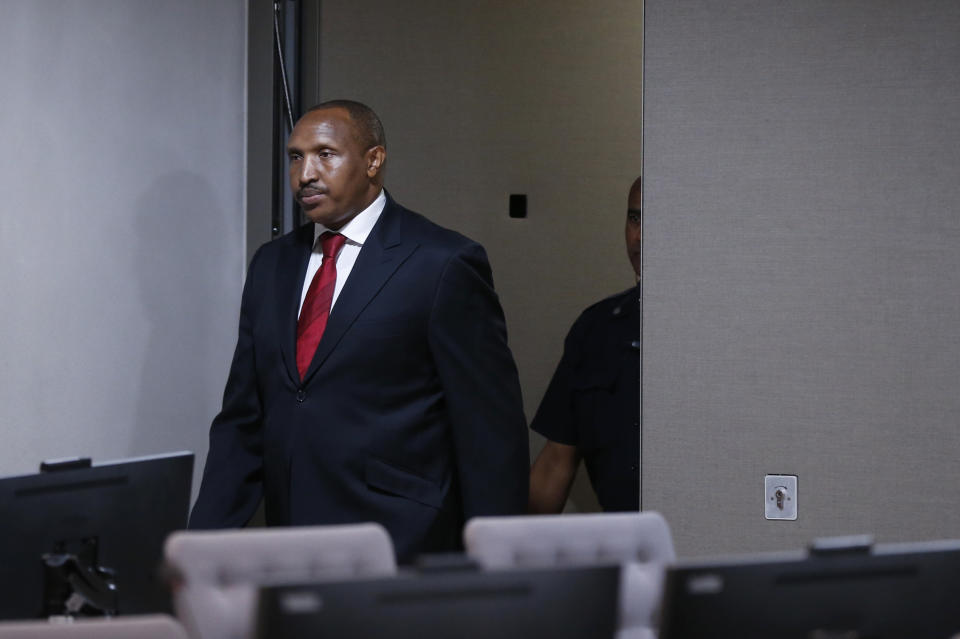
(367,126)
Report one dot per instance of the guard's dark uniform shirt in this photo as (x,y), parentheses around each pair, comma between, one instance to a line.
(593,401)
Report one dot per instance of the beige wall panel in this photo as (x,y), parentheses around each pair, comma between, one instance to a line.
(802,268)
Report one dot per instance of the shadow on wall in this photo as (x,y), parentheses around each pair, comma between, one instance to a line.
(180,268)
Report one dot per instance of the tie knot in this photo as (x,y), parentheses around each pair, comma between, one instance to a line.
(331,243)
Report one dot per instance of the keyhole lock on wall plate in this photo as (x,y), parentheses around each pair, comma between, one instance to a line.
(780,497)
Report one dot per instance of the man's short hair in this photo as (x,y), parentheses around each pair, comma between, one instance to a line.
(368,126)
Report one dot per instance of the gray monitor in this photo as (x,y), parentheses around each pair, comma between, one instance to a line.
(832,592)
(561,603)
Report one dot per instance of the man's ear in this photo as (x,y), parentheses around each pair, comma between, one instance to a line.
(376,156)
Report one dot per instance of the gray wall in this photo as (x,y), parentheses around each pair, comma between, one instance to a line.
(122,224)
(802,307)
(481,100)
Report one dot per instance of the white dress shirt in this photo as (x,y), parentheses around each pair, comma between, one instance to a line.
(356,232)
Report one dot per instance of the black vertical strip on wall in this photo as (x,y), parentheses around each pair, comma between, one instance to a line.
(278,151)
(292,46)
(286,52)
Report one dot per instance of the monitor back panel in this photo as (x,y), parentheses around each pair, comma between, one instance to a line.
(122,512)
(851,596)
(576,603)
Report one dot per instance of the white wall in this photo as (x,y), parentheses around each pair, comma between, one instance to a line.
(121,224)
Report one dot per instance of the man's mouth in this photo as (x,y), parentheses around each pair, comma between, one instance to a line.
(310,197)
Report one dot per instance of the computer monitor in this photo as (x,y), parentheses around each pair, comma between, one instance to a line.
(876,592)
(93,532)
(561,603)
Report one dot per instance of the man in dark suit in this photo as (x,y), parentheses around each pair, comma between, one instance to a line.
(373,383)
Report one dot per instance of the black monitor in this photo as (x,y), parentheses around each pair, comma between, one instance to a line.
(835,591)
(81,538)
(561,603)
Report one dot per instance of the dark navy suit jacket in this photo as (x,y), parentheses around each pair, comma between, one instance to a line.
(410,414)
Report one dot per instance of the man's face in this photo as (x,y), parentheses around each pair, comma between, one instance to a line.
(331,174)
(632,231)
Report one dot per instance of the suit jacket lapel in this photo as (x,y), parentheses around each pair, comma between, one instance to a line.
(290,274)
(384,251)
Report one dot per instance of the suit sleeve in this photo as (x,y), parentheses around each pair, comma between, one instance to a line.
(232,477)
(468,339)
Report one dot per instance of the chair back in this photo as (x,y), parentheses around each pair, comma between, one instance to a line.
(640,542)
(219,572)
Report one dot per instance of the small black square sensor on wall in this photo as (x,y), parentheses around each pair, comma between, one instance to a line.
(518,205)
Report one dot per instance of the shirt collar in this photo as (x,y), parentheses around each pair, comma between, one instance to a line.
(357,229)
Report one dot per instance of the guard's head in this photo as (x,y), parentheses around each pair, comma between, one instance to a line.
(634,221)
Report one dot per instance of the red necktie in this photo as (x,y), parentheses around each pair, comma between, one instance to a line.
(316,305)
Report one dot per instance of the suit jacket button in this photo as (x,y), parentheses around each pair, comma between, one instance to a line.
(301,395)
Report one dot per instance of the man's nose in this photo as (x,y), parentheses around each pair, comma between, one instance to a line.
(308,171)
